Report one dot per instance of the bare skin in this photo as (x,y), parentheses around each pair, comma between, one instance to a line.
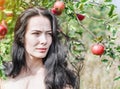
(26,81)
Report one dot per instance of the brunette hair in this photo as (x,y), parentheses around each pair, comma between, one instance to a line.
(57,75)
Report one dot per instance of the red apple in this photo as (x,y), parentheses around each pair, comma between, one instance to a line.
(98,49)
(59,5)
(3,30)
(55,11)
(80,17)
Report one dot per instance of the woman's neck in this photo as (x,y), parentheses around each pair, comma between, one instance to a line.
(34,65)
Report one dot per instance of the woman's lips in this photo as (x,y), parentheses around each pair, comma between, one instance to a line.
(42,49)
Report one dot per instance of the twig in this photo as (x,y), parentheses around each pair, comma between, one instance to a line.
(86,28)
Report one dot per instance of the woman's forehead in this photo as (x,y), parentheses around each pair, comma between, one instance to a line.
(39,22)
(39,19)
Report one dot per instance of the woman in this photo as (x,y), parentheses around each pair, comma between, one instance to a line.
(38,57)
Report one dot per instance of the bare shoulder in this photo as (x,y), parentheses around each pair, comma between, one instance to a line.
(6,82)
(1,83)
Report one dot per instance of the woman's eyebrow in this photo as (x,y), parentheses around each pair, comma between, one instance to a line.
(41,31)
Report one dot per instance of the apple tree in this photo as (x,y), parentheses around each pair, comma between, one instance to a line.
(86,26)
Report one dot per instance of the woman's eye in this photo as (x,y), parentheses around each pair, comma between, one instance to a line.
(36,33)
(50,33)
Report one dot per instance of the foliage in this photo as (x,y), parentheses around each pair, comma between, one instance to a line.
(100,25)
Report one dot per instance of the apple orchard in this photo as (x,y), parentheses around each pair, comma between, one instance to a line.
(87,27)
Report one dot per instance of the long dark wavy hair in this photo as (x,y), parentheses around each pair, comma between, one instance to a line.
(57,75)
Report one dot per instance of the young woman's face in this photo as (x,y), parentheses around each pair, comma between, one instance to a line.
(38,37)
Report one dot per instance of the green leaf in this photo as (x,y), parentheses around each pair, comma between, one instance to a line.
(1,58)
(111,10)
(81,6)
(45,2)
(77,4)
(83,0)
(99,39)
(108,27)
(119,67)
(104,60)
(118,48)
(108,0)
(118,78)
(118,23)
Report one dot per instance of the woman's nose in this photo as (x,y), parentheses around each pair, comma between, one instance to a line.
(43,39)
